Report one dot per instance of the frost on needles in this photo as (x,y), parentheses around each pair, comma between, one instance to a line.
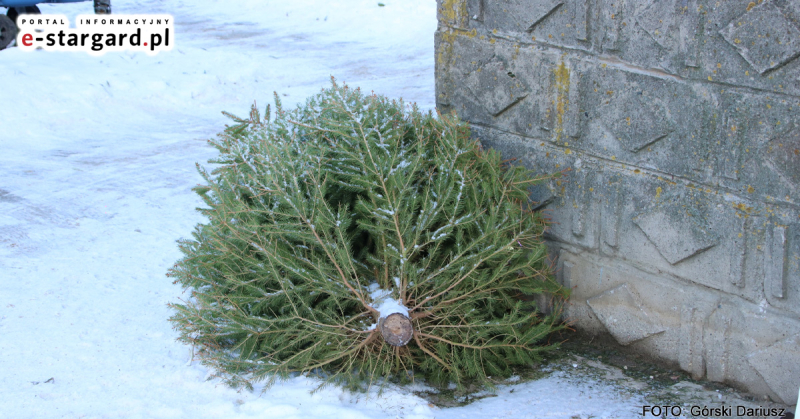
(352,208)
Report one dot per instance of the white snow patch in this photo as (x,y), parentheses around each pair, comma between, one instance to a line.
(390,306)
(383,302)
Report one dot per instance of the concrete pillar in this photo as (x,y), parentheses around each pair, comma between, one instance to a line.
(677,123)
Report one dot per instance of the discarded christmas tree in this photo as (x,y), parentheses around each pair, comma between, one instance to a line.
(357,239)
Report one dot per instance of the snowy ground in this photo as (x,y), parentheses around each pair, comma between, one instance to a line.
(96,168)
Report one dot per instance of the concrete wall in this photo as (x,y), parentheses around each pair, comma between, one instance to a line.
(678,222)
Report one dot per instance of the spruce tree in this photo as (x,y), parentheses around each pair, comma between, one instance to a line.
(358,239)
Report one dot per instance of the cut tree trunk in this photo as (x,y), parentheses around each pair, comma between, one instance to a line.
(396,329)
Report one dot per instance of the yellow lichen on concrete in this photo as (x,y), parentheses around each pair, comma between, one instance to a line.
(454,12)
(562,97)
(444,55)
(448,37)
(744,208)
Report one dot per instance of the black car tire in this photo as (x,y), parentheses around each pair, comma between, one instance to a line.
(13,12)
(8,31)
(102,7)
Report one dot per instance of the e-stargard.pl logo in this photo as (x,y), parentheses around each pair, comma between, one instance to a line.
(96,35)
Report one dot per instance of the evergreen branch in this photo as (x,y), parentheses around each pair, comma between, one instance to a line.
(457,282)
(360,346)
(479,347)
(431,354)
